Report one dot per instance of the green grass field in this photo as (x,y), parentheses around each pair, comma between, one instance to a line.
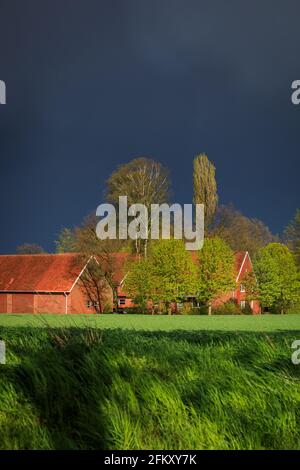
(143,382)
(265,323)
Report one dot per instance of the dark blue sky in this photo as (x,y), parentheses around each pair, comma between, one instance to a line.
(92,84)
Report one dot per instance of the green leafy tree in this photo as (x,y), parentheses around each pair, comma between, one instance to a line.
(292,236)
(174,273)
(276,271)
(205,186)
(139,282)
(169,274)
(216,270)
(251,286)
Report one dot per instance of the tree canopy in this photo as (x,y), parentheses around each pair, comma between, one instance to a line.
(240,232)
(216,270)
(278,280)
(66,242)
(167,275)
(142,180)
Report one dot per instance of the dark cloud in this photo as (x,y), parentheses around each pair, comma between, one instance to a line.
(91,84)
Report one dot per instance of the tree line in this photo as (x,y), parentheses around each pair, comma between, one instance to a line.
(165,272)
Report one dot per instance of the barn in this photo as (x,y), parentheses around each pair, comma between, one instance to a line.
(45,283)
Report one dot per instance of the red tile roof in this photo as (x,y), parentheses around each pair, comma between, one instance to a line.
(58,272)
(39,273)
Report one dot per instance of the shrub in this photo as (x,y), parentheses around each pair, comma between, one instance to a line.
(228,308)
(295,309)
(202,310)
(292,310)
(185,309)
(107,308)
(247,310)
(138,310)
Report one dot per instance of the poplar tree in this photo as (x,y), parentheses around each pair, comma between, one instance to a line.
(205,186)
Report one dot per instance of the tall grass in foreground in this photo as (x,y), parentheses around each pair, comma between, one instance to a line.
(118,389)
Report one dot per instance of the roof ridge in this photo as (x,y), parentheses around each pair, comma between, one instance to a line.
(41,254)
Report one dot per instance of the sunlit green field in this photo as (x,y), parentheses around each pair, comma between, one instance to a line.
(158,322)
(143,382)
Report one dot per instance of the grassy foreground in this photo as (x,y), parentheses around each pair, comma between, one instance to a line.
(179,386)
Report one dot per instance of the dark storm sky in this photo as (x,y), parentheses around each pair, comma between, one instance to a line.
(92,84)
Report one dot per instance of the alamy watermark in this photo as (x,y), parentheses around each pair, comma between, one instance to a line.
(2,352)
(296,354)
(295,97)
(2,92)
(187,222)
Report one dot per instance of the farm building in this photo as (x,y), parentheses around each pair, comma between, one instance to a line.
(45,283)
(61,283)
(243,265)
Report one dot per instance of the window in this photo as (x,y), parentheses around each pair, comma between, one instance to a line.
(243,304)
(91,303)
(122,301)
(242,288)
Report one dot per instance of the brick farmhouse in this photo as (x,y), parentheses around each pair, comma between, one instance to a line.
(54,283)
